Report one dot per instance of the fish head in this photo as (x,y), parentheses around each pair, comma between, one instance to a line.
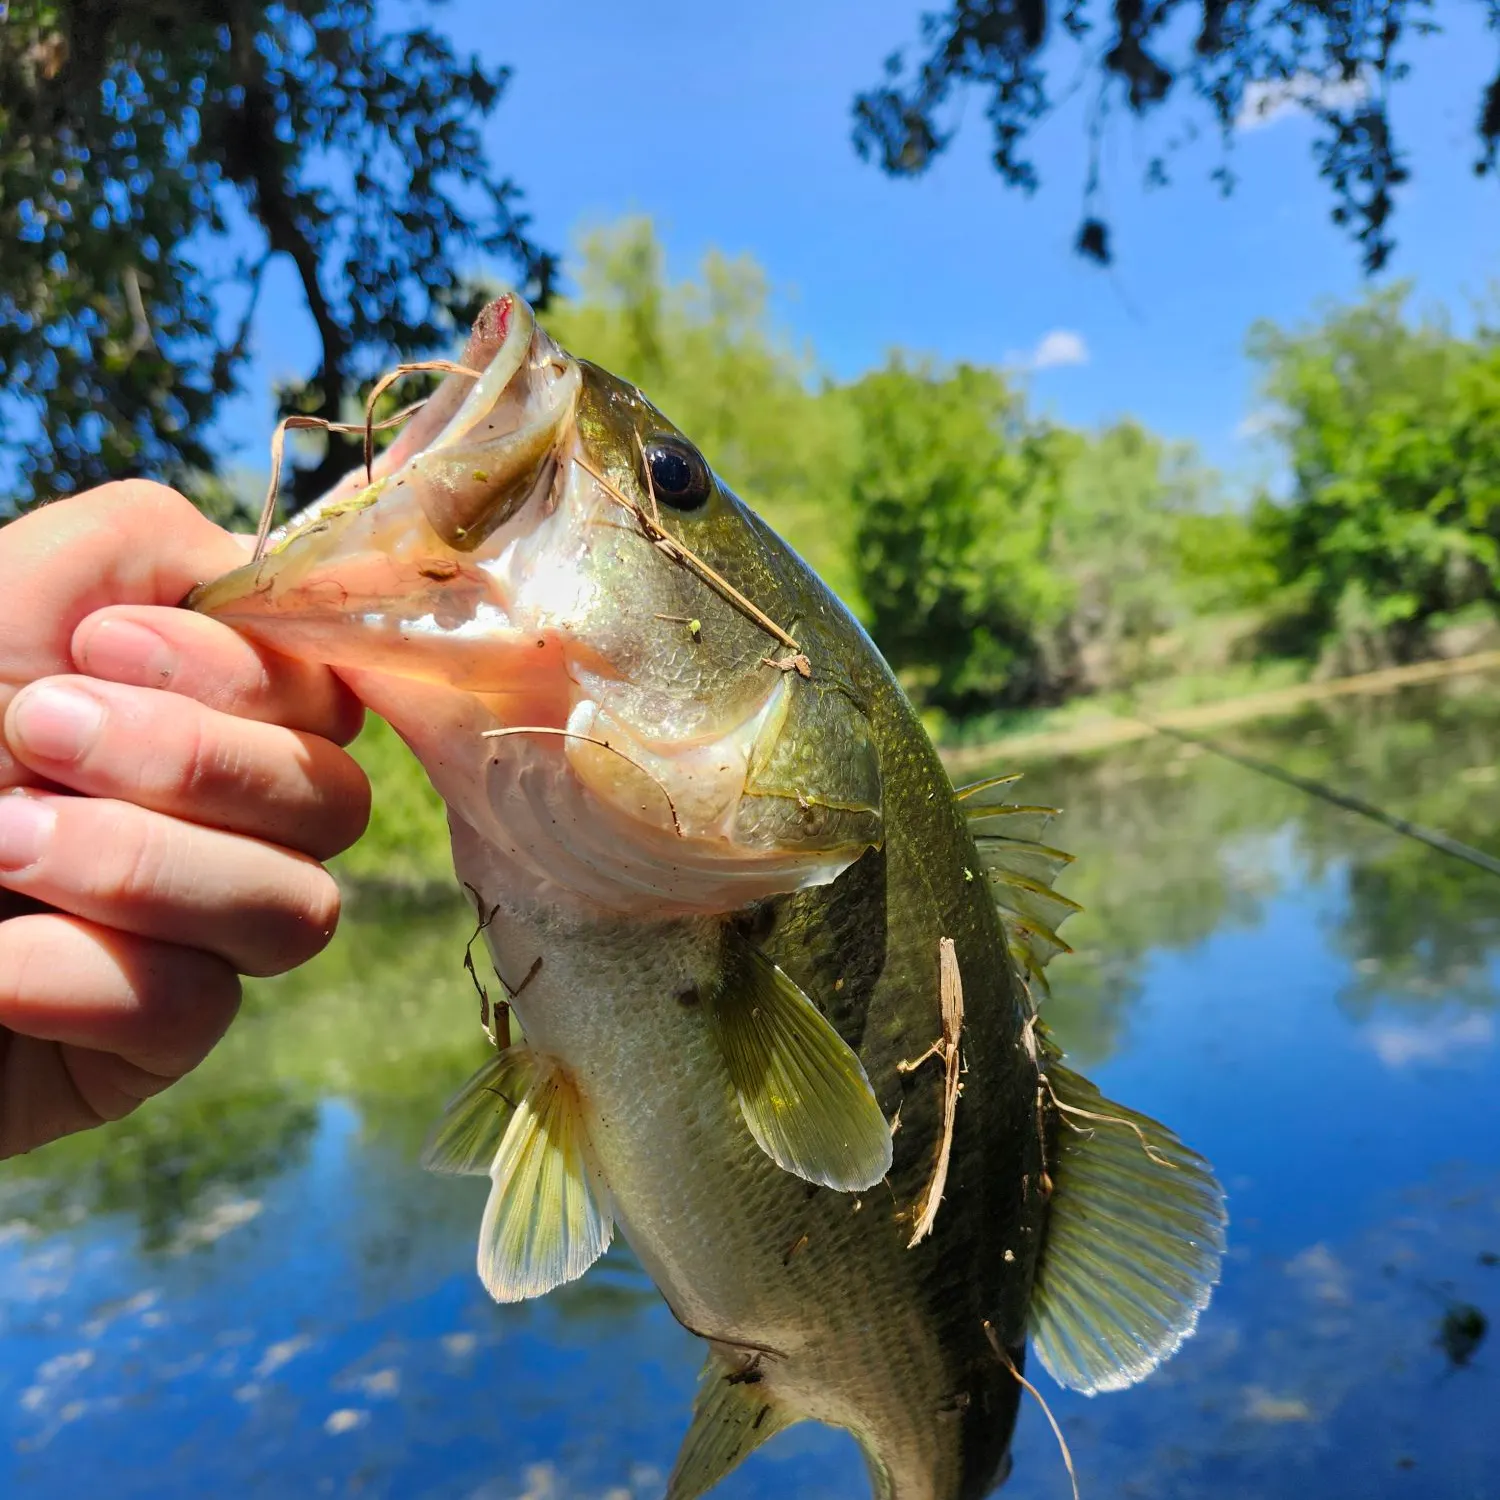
(600,655)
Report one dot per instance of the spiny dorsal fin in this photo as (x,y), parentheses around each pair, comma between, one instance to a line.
(1021,857)
(988,790)
(549,1216)
(474,1119)
(802,1090)
(1135,1234)
(1020,870)
(731,1419)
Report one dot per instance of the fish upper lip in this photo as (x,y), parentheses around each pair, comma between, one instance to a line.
(419,507)
(542,368)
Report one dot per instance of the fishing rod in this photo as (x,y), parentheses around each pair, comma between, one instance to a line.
(1433,838)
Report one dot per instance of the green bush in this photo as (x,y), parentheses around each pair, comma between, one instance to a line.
(1393,431)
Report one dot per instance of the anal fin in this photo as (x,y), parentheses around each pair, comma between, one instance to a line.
(1135,1234)
(468,1136)
(732,1417)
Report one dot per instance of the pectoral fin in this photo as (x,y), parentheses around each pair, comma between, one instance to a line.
(468,1136)
(732,1417)
(802,1090)
(549,1215)
(1135,1234)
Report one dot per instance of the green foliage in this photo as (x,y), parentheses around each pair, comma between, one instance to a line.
(1221,562)
(137,142)
(1001,561)
(1119,536)
(1393,431)
(954,496)
(1005,561)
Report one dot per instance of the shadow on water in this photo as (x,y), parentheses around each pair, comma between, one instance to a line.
(250,1289)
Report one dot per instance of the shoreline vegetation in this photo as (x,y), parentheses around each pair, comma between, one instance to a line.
(1102,729)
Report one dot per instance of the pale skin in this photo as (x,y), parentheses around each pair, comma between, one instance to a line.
(167,795)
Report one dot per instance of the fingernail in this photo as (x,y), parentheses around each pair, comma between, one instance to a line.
(25,827)
(54,722)
(123,651)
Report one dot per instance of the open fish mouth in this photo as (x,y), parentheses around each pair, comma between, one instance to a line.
(409,551)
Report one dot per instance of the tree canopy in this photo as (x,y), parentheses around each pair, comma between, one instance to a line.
(142,146)
(1335,59)
(1392,428)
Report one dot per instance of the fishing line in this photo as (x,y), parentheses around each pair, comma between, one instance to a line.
(1433,838)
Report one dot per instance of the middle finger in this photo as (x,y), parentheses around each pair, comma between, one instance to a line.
(175,756)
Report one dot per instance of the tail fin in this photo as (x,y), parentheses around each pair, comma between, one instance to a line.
(1135,1235)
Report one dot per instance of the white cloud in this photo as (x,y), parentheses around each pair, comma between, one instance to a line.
(1272,99)
(1322,1273)
(1443,1040)
(1263,1406)
(1059,347)
(1260,422)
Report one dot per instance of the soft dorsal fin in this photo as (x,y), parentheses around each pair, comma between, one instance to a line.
(1020,870)
(1135,1234)
(732,1417)
(468,1136)
(802,1090)
(549,1216)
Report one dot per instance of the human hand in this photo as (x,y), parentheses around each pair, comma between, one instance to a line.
(167,791)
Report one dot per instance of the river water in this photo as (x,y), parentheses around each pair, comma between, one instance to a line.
(251,1289)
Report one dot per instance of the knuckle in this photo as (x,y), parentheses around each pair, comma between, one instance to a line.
(227,674)
(322,908)
(213,768)
(137,492)
(346,715)
(190,1003)
(233,773)
(136,857)
(134,500)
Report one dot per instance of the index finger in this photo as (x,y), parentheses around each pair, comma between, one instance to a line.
(133,542)
(130,542)
(180,652)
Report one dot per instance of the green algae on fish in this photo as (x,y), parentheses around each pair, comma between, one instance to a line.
(780,1026)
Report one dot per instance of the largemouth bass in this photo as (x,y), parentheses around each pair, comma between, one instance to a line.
(776,980)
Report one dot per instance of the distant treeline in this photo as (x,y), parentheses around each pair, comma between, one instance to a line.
(1003,561)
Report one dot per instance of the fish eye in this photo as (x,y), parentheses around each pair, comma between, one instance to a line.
(677,473)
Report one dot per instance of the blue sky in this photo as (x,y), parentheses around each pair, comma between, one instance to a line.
(730,125)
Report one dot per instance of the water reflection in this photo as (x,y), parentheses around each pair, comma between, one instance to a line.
(250,1288)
